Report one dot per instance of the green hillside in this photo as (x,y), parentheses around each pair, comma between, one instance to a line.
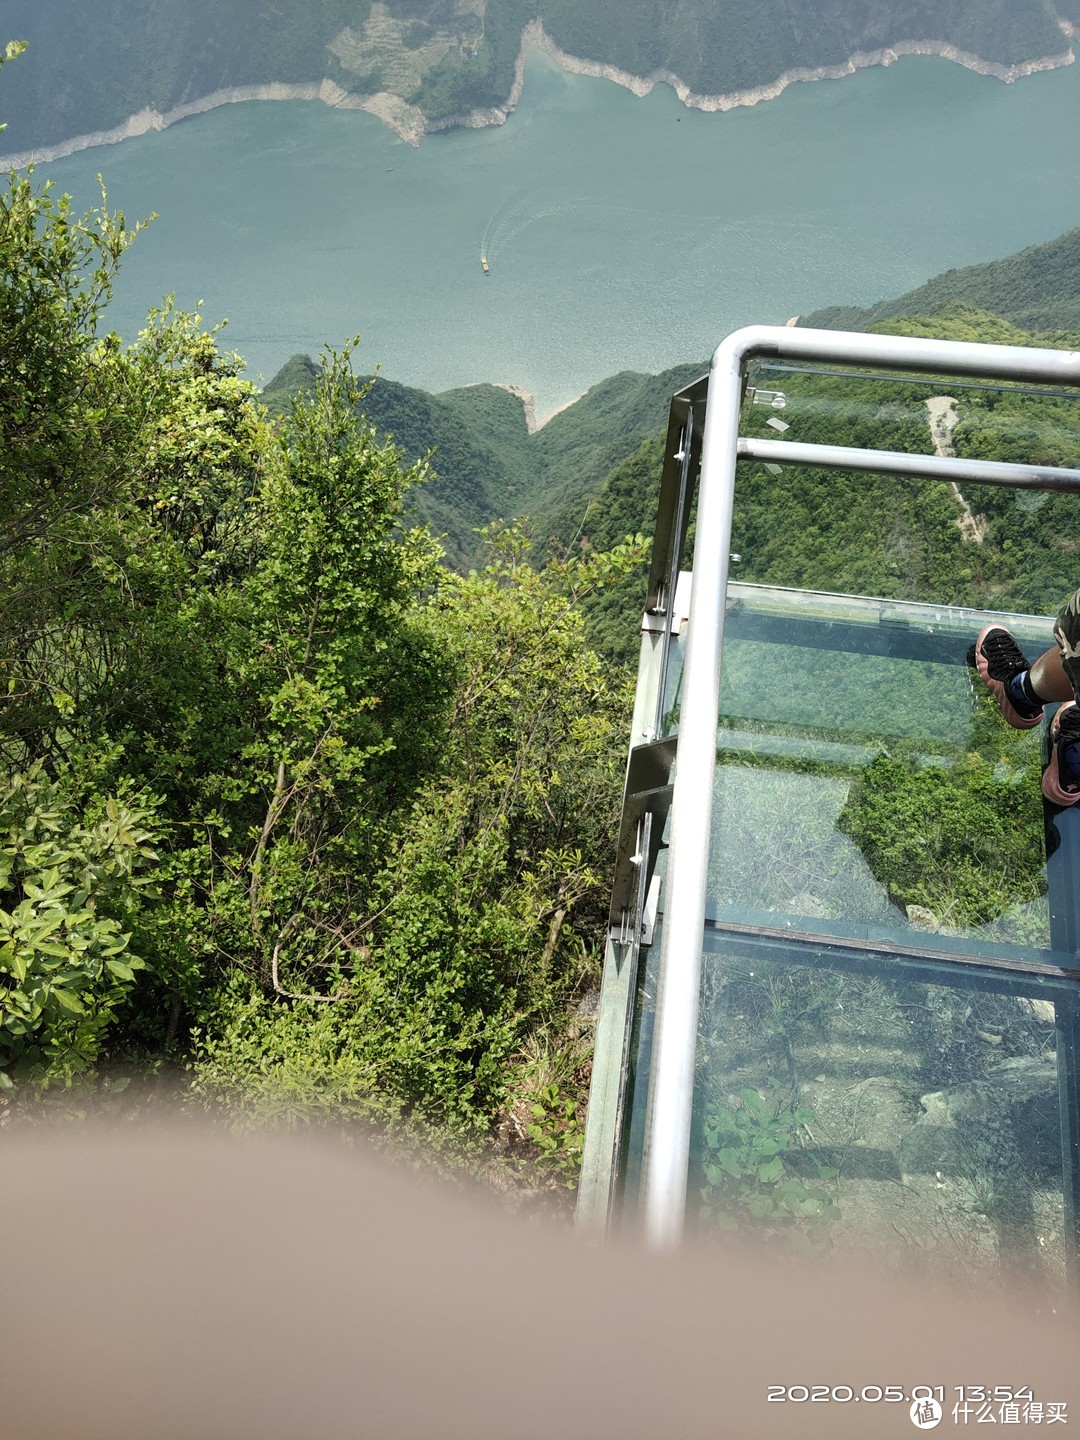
(90,68)
(495,418)
(624,505)
(476,469)
(579,446)
(1037,289)
(716,48)
(484,463)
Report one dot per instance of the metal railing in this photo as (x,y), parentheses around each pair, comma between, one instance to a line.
(667,1145)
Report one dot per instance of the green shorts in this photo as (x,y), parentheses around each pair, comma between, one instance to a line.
(1067,635)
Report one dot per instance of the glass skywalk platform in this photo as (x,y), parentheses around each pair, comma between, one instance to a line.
(881,1053)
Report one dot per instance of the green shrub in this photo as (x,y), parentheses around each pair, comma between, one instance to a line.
(965,841)
(69,878)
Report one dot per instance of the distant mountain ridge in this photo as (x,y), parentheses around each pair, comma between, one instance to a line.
(573,475)
(122,65)
(1037,289)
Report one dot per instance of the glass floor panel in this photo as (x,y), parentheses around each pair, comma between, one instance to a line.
(866,784)
(915,1123)
(888,955)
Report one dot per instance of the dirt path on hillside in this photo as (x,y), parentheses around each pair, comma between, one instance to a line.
(942,412)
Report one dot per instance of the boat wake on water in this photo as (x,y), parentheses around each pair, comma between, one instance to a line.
(516,213)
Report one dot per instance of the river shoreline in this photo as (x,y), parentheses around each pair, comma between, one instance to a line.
(533,420)
(411,125)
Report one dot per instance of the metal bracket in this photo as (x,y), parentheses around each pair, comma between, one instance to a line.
(646,802)
(774,398)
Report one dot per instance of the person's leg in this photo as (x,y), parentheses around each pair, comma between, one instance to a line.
(1020,690)
(1048,678)
(1006,674)
(1061,778)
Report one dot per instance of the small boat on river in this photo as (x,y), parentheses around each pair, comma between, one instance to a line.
(484,265)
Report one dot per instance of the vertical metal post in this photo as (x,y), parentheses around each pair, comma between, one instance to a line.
(671,1094)
(597,1184)
(1067,1018)
(1063,887)
(678,534)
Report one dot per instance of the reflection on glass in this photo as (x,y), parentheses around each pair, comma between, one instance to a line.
(865,785)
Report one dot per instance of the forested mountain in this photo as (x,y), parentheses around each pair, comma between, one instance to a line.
(1037,289)
(422,62)
(480,463)
(485,464)
(591,473)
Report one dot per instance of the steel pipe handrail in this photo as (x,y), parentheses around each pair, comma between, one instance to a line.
(667,1145)
(953,468)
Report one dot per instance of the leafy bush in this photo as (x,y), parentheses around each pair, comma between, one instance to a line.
(466,931)
(963,841)
(72,870)
(557,1130)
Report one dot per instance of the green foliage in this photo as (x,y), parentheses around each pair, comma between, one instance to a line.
(464,932)
(1025,559)
(70,414)
(753,1182)
(856,534)
(319,686)
(11,51)
(627,499)
(73,866)
(558,1132)
(963,841)
(494,419)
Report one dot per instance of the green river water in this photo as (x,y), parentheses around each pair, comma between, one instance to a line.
(621,232)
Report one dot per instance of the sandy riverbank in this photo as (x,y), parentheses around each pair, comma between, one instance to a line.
(384,107)
(410,124)
(754,95)
(533,422)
